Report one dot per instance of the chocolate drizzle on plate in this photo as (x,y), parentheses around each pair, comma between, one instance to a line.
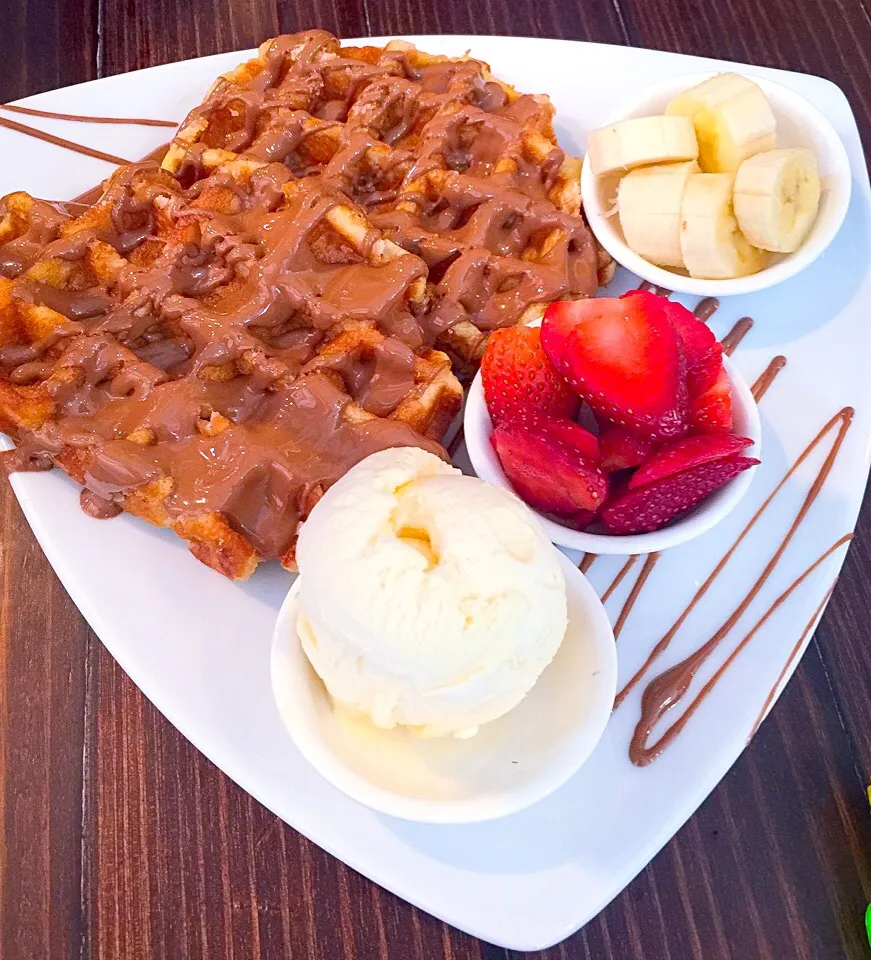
(767,377)
(666,690)
(61,142)
(669,688)
(630,563)
(791,659)
(734,337)
(653,288)
(76,118)
(79,118)
(650,562)
(706,308)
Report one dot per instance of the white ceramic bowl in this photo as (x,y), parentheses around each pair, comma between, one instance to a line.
(478,427)
(510,764)
(799,124)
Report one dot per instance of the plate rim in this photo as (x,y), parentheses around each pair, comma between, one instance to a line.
(65,572)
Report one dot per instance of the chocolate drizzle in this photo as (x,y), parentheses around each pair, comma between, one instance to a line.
(706,308)
(100,508)
(844,418)
(61,142)
(799,644)
(650,562)
(79,118)
(736,335)
(669,688)
(653,288)
(621,574)
(767,377)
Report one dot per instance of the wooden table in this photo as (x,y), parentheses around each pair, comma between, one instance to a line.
(120,841)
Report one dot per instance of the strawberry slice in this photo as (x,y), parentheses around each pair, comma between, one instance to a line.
(696,336)
(549,474)
(624,358)
(687,453)
(705,372)
(652,506)
(711,411)
(519,381)
(622,449)
(570,433)
(702,352)
(580,520)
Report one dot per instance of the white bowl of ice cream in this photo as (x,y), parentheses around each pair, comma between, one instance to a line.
(437,659)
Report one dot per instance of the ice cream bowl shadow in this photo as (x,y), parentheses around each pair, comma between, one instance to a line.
(510,764)
(478,429)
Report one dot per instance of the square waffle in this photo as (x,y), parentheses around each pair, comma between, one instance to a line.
(450,162)
(216,340)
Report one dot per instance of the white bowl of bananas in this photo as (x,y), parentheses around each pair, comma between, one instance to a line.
(716,184)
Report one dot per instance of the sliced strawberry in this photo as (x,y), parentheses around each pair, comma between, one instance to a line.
(704,373)
(696,336)
(570,433)
(711,411)
(519,381)
(686,454)
(624,358)
(652,506)
(577,521)
(702,352)
(580,520)
(546,472)
(622,449)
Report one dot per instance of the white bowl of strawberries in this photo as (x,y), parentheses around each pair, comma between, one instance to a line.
(619,421)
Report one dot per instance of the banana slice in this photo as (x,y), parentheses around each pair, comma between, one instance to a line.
(642,140)
(733,121)
(649,206)
(712,245)
(777,197)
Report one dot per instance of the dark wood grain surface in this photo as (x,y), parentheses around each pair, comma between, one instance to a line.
(119,841)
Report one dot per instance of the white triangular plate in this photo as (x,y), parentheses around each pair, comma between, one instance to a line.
(198,646)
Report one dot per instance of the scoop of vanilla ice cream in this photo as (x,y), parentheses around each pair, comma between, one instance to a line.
(427,599)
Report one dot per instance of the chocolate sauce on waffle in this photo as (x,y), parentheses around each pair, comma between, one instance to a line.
(98,507)
(185,376)
(210,345)
(450,164)
(19,253)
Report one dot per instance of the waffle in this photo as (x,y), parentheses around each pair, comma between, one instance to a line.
(449,162)
(330,238)
(227,368)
